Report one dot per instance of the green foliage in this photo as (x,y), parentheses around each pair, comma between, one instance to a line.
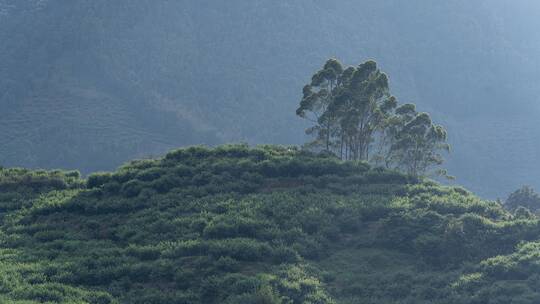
(353,111)
(263,295)
(258,225)
(348,106)
(524,197)
(23,180)
(411,142)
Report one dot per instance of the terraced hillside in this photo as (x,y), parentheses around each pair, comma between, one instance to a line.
(257,225)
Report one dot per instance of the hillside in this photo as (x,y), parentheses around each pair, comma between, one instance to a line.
(92,84)
(257,225)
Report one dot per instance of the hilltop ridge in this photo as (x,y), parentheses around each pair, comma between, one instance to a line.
(268,224)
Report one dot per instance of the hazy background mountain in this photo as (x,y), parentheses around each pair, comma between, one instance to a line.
(91,84)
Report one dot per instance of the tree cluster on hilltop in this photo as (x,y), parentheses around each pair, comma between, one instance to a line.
(523,198)
(356,118)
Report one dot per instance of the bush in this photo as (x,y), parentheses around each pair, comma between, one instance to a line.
(97,180)
(132,188)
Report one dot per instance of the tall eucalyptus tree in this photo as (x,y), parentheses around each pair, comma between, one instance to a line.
(353,111)
(347,106)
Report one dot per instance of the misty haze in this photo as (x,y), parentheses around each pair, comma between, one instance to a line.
(277,152)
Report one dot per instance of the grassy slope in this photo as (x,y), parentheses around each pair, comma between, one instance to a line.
(264,225)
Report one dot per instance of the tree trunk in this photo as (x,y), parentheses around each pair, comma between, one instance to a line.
(341,147)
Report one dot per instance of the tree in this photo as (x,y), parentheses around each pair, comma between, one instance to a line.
(352,111)
(364,103)
(415,143)
(387,155)
(318,96)
(347,106)
(523,197)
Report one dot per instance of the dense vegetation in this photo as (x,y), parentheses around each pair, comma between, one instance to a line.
(257,225)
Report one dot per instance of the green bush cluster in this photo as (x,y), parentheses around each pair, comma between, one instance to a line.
(259,225)
(24,180)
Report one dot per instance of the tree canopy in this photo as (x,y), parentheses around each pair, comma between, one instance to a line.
(523,197)
(357,118)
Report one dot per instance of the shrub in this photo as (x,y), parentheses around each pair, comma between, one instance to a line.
(97,180)
(132,188)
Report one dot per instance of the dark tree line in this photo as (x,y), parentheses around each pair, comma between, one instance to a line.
(356,118)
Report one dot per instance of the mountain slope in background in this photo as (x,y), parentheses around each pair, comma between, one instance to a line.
(89,84)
